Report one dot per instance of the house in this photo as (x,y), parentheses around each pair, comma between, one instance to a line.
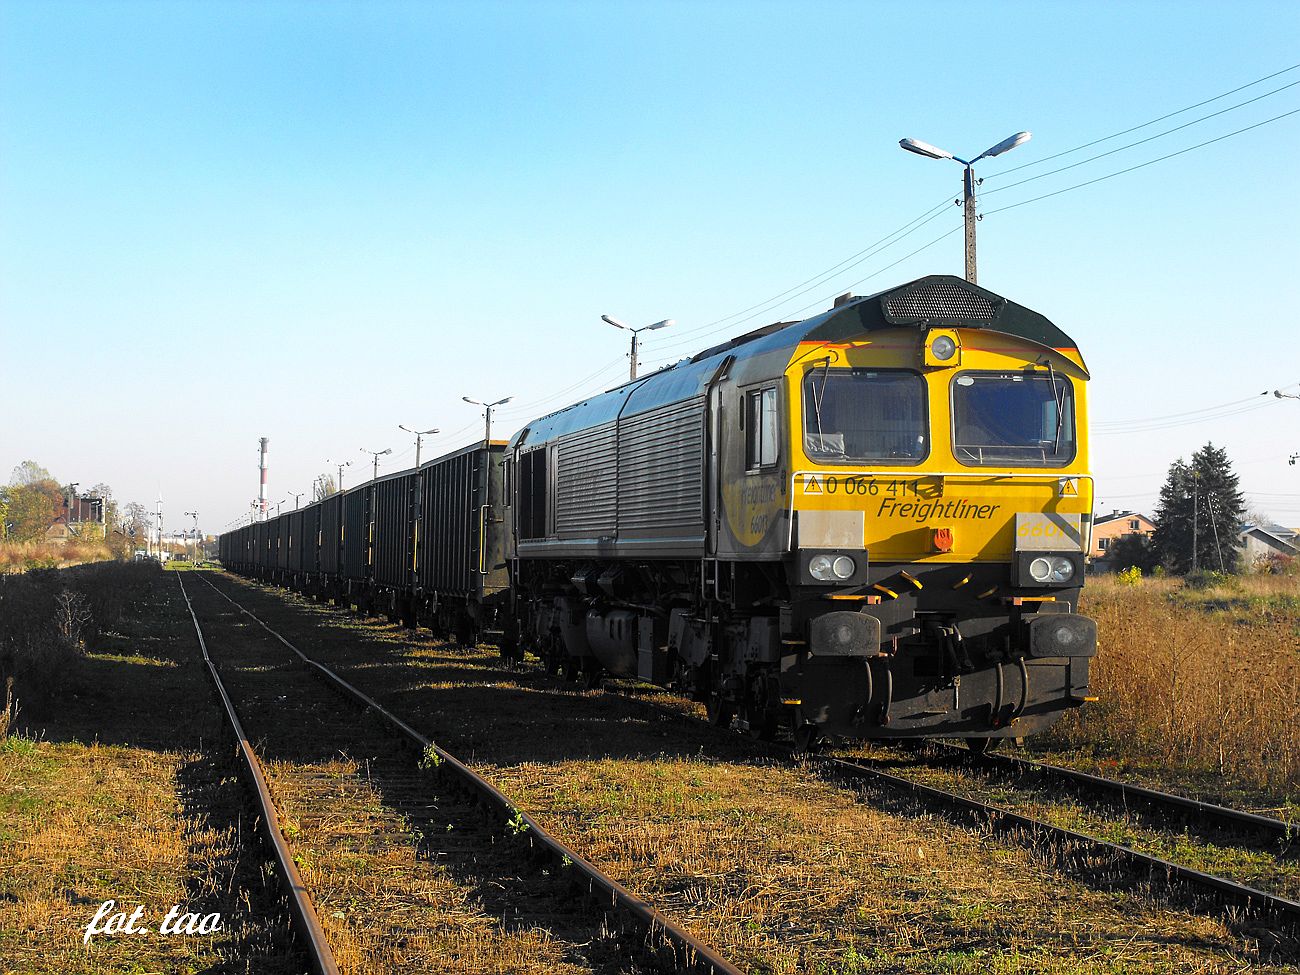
(76,513)
(1262,543)
(1107,528)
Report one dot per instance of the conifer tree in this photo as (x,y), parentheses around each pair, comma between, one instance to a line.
(1201,505)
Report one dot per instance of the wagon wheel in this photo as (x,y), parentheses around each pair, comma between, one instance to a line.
(808,739)
(980,746)
(720,711)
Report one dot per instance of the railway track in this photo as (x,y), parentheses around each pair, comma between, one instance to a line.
(662,945)
(1083,854)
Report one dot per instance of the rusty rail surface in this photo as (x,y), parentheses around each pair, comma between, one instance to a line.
(693,954)
(1127,793)
(300,904)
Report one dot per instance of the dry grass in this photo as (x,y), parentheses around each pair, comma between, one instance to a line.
(1203,682)
(779,870)
(151,819)
(24,556)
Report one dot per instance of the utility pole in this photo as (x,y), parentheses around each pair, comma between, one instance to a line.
(296,497)
(636,334)
(1195,514)
(968,182)
(419,438)
(338,485)
(376,454)
(195,516)
(487,412)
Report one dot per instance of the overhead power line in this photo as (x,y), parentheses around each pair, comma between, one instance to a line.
(1139,142)
(1152,162)
(1135,128)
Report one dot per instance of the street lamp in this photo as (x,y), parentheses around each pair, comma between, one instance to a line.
(609,319)
(419,437)
(1281,395)
(968,184)
(296,497)
(340,466)
(376,454)
(487,412)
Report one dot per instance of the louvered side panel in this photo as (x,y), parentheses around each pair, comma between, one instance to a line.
(586,485)
(661,473)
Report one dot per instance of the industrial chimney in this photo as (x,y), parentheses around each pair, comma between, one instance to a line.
(261,491)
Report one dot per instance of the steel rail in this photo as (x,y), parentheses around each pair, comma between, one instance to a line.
(1125,792)
(1229,892)
(300,903)
(695,955)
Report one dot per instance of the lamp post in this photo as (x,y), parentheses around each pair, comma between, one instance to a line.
(419,438)
(296,497)
(610,320)
(1281,395)
(376,454)
(487,412)
(968,183)
(339,484)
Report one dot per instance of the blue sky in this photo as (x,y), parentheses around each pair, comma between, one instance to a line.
(315,221)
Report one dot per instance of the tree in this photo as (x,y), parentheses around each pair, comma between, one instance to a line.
(27,473)
(1199,514)
(32,509)
(323,487)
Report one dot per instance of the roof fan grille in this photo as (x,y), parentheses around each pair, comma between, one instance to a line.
(940,300)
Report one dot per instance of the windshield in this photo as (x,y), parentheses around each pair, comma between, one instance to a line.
(859,414)
(1013,417)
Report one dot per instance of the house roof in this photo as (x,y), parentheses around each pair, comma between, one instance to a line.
(1285,543)
(1117,515)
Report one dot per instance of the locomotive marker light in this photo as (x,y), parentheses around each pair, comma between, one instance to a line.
(942,350)
(610,320)
(968,183)
(487,412)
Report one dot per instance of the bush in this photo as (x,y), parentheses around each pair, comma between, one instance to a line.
(1206,579)
(1131,576)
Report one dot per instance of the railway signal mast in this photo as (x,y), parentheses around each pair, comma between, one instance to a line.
(968,183)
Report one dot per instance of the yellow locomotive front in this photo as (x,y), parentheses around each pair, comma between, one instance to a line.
(939,504)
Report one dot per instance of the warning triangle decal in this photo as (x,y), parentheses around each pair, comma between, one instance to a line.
(812,484)
(1069,487)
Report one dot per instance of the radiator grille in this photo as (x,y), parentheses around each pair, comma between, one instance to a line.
(939,300)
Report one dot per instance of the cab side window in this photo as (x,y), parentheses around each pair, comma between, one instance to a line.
(761,429)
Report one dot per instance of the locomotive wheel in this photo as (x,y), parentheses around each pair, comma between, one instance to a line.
(594,673)
(762,723)
(572,667)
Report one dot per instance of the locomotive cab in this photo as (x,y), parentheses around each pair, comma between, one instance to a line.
(939,508)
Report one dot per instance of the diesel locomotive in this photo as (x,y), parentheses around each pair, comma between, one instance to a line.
(871,524)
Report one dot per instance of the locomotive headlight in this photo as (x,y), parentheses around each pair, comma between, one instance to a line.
(832,567)
(1051,569)
(821,567)
(943,348)
(1047,569)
